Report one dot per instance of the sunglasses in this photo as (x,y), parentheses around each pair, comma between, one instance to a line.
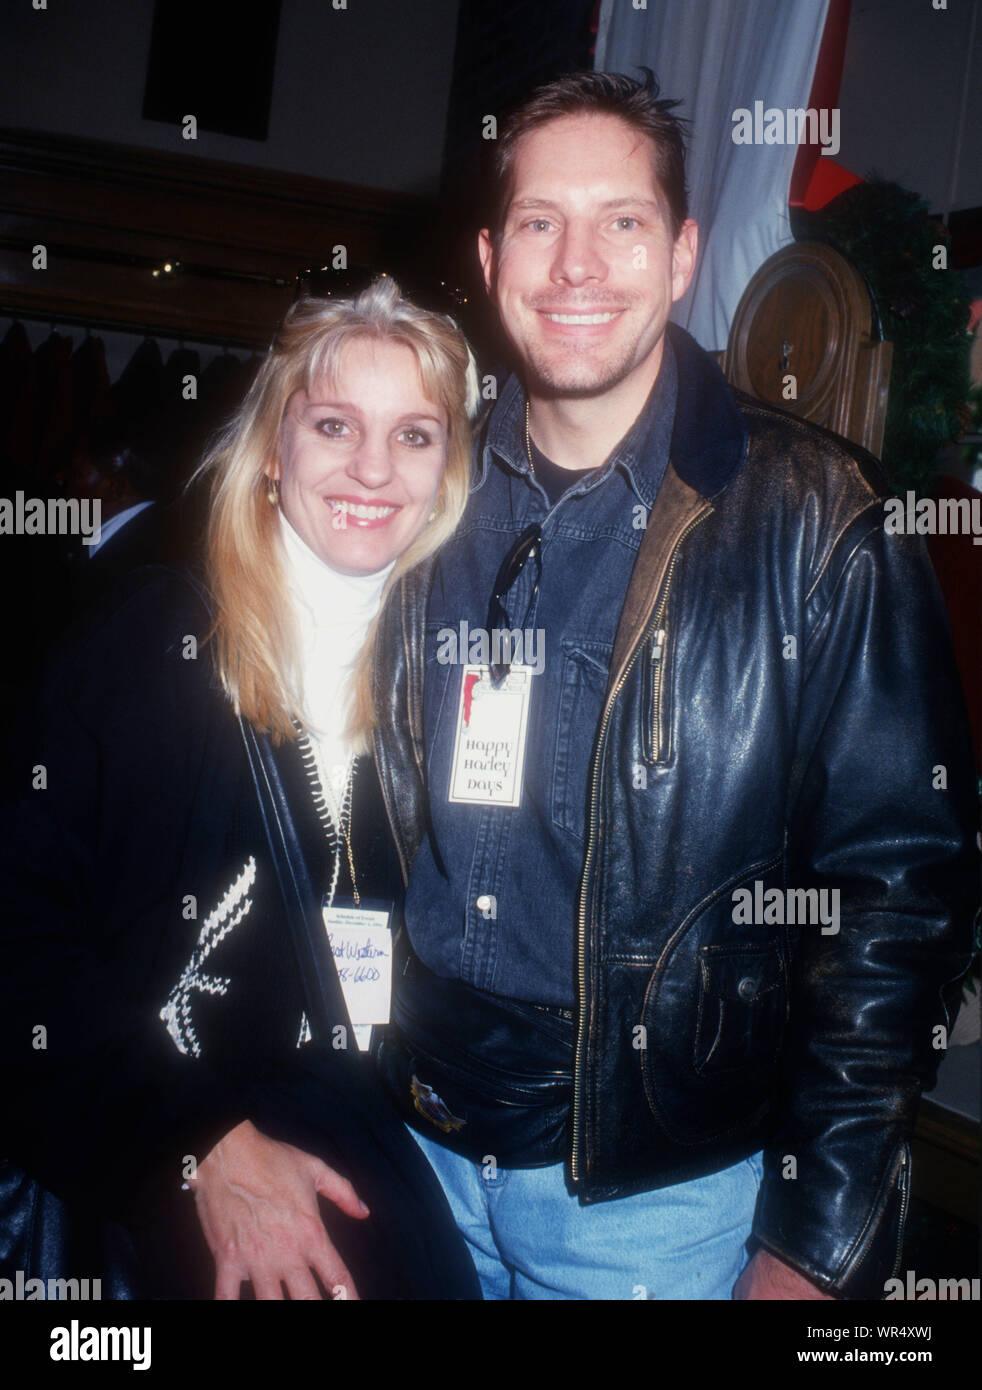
(526,550)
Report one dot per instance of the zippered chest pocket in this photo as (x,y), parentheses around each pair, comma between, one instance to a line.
(656,696)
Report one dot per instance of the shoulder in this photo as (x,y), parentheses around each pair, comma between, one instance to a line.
(804,489)
(728,443)
(815,453)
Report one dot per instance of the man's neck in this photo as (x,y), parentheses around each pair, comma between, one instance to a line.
(580,432)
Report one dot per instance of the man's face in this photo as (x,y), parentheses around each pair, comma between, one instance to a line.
(587,269)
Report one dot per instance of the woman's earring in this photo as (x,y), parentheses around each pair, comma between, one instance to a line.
(273,492)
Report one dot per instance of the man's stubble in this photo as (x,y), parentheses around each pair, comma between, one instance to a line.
(578,372)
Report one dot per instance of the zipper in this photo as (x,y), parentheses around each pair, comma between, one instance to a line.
(591,844)
(903,1176)
(658,646)
(904,1194)
(651,696)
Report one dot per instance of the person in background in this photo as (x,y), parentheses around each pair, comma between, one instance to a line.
(109,467)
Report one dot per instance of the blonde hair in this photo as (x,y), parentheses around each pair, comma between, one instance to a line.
(256,643)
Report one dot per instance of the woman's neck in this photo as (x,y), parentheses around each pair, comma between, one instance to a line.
(333,613)
(334,598)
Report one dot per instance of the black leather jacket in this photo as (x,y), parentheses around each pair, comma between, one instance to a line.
(781,701)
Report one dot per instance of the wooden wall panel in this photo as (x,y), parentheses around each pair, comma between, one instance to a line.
(109,214)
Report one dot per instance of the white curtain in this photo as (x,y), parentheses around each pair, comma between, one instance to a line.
(719,56)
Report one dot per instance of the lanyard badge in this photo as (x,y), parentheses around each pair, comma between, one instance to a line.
(489,743)
(361,943)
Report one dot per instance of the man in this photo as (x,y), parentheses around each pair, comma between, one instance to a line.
(126,482)
(740,869)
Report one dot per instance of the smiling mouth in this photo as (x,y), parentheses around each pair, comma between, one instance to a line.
(585,320)
(360,511)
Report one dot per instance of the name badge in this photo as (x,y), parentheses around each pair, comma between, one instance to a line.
(489,746)
(361,943)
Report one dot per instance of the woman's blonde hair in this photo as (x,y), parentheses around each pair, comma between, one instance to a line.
(256,642)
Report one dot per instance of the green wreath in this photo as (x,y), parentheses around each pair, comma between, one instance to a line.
(888,232)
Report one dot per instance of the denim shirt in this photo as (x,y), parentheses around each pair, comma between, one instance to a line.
(493,902)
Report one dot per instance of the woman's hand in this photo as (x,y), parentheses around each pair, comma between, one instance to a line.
(257,1203)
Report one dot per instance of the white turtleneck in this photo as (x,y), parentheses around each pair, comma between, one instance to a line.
(333,612)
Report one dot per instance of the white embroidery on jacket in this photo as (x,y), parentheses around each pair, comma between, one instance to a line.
(231,909)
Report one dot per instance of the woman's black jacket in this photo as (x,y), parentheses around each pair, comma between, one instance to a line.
(149,996)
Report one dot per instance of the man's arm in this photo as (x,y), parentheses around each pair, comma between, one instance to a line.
(883,810)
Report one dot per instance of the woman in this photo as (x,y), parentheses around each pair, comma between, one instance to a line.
(177,1032)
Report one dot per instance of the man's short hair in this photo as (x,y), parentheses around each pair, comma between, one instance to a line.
(636,103)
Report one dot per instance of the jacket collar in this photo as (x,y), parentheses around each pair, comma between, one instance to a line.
(709,442)
(642,453)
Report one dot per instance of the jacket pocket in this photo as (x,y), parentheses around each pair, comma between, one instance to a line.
(586,666)
(655,698)
(742,1008)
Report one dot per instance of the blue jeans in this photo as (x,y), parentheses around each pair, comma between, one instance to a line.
(530,1239)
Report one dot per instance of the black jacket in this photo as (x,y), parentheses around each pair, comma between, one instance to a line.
(809,763)
(149,995)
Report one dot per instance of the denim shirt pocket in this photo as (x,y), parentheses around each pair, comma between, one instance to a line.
(586,665)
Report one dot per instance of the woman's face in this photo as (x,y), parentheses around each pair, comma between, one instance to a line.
(360,464)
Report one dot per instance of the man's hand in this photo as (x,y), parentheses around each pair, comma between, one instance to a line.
(257,1203)
(768,1277)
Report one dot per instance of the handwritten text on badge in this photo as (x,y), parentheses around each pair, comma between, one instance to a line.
(361,943)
